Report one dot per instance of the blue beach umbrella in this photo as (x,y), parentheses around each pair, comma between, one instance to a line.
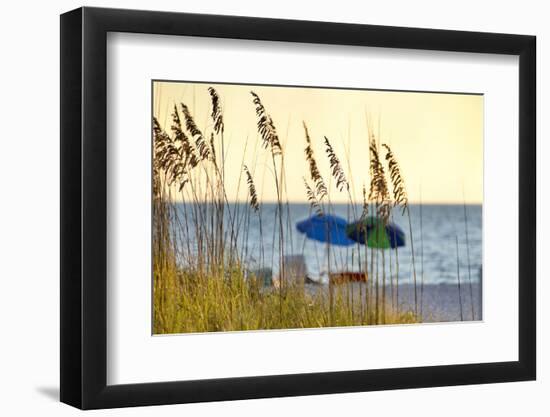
(372,232)
(326,228)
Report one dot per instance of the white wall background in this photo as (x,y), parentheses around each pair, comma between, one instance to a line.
(29,208)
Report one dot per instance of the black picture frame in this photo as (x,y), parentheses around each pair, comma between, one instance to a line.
(84,207)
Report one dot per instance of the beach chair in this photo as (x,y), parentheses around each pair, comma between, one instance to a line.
(337,278)
(295,270)
(264,275)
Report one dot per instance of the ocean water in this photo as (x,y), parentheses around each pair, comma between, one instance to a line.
(435,243)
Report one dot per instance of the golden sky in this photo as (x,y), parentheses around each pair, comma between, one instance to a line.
(437,138)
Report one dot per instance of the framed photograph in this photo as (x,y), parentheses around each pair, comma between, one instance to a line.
(256,208)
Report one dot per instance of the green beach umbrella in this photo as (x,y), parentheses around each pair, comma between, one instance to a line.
(375,234)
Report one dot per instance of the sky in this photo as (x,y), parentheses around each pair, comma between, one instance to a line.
(436,137)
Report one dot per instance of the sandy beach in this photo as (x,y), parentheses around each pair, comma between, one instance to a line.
(441,301)
(436,302)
